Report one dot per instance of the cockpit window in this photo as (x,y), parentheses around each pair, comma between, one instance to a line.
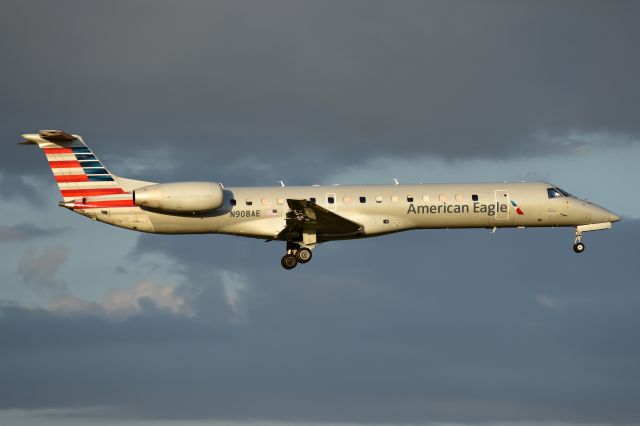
(557,193)
(553,193)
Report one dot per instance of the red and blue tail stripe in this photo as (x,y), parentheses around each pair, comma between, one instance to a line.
(79,173)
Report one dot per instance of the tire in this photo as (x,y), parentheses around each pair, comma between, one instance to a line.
(289,261)
(303,255)
(578,247)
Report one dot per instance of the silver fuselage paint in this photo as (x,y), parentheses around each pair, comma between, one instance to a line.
(259,212)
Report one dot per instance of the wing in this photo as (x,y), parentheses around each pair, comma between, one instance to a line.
(305,216)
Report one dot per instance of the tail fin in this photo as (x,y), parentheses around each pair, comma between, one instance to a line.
(76,169)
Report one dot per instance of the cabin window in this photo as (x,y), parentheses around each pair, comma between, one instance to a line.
(442,198)
(346,199)
(265,201)
(280,201)
(409,198)
(363,200)
(313,200)
(425,198)
(379,199)
(474,197)
(232,201)
(249,202)
(394,198)
(331,200)
(458,197)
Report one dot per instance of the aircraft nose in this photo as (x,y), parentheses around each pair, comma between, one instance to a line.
(613,217)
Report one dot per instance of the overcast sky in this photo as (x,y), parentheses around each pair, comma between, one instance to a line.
(102,326)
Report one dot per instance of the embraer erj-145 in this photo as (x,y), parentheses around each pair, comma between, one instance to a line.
(304,216)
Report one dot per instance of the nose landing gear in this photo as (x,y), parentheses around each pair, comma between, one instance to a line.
(295,254)
(578,246)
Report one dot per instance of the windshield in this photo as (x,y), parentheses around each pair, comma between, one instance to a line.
(557,193)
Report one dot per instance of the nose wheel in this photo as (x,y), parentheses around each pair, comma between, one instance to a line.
(295,254)
(578,246)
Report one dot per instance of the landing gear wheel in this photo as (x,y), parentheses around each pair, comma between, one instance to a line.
(303,255)
(289,261)
(578,247)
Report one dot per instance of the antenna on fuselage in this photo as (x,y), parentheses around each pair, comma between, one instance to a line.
(281,183)
(396,181)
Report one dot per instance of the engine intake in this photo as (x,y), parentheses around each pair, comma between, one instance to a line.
(180,197)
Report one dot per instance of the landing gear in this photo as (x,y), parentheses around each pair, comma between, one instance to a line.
(295,254)
(578,246)
(303,255)
(289,261)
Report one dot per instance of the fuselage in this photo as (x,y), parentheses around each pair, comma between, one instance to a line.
(381,209)
(303,216)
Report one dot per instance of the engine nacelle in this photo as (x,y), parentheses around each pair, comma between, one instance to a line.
(180,197)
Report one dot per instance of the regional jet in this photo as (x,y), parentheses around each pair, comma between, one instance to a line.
(304,216)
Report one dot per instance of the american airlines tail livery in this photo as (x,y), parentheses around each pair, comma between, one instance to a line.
(304,216)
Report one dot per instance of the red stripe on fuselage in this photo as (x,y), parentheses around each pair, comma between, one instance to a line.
(72,178)
(58,151)
(91,192)
(64,164)
(108,203)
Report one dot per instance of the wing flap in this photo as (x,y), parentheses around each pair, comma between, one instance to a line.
(305,216)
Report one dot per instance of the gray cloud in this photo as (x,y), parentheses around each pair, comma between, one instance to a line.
(39,269)
(456,326)
(27,231)
(234,89)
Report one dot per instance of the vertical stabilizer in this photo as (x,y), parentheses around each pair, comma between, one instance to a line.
(76,169)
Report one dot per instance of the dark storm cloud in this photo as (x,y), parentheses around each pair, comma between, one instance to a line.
(238,89)
(26,231)
(422,326)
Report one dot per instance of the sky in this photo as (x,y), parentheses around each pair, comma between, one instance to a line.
(104,326)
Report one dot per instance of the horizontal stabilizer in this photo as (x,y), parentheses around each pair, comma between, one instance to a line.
(56,136)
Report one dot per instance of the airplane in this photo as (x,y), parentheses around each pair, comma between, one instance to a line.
(304,216)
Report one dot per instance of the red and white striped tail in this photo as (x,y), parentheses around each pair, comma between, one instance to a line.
(77,170)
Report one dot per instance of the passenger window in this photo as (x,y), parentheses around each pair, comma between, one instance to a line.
(409,198)
(425,198)
(553,193)
(458,197)
(442,198)
(232,201)
(249,202)
(474,197)
(346,199)
(331,200)
(265,201)
(379,199)
(280,201)
(395,198)
(363,200)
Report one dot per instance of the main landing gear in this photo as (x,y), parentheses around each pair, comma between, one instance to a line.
(295,254)
(578,246)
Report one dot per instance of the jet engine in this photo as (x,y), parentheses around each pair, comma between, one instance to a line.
(180,197)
